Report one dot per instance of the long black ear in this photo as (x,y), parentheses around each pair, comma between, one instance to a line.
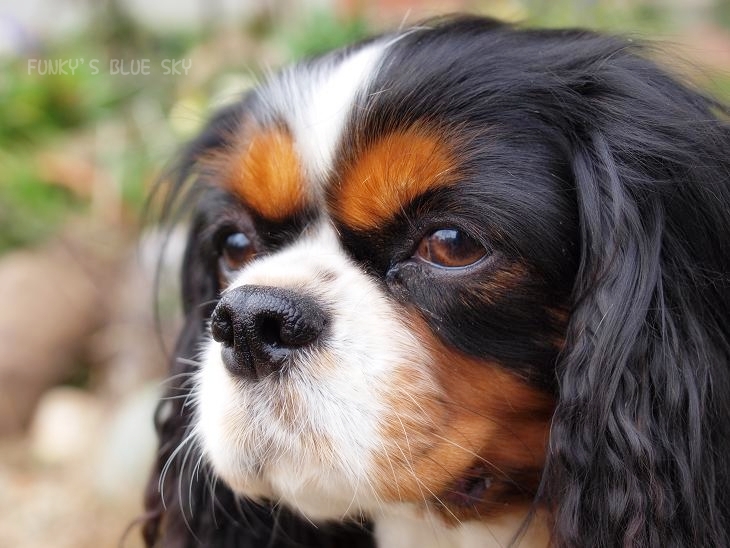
(638,448)
(167,520)
(185,504)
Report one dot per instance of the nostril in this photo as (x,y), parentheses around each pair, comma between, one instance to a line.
(221,326)
(269,330)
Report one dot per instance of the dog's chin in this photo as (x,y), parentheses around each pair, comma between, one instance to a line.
(263,455)
(307,494)
(317,496)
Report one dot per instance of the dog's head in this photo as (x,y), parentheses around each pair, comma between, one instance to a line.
(464,270)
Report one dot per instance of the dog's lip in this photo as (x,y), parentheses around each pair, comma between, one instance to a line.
(470,488)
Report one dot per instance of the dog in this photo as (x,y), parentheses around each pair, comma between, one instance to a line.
(466,284)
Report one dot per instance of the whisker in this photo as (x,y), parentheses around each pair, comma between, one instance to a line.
(418,481)
(168,464)
(170,378)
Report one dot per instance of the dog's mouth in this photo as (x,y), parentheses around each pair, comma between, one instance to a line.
(470,489)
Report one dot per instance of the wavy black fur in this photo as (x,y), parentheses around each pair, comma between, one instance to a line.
(638,448)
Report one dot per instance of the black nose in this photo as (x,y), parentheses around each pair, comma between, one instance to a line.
(261,327)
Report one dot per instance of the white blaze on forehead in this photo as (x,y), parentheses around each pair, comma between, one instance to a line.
(315,101)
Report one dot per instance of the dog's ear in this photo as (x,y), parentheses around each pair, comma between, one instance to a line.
(170,517)
(637,451)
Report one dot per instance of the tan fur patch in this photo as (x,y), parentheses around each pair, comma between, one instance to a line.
(263,169)
(459,413)
(390,173)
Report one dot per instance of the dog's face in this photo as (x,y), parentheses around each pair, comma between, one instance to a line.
(453,273)
(395,257)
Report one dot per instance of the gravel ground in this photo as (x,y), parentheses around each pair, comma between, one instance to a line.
(74,464)
(59,506)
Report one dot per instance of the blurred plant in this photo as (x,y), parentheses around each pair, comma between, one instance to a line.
(615,15)
(322,31)
(721,12)
(29,208)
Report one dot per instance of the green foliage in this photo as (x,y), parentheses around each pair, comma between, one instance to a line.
(323,31)
(636,17)
(722,13)
(43,109)
(29,209)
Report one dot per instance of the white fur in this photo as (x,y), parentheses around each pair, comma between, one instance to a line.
(404,526)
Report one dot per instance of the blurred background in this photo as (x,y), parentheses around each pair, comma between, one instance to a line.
(95,97)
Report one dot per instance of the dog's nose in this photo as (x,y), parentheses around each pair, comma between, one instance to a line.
(261,327)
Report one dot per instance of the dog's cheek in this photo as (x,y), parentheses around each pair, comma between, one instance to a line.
(454,414)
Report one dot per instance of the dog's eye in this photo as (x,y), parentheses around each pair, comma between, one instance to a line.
(450,248)
(235,250)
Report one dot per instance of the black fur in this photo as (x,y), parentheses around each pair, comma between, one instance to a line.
(608,180)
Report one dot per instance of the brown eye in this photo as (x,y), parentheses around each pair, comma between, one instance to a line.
(235,251)
(450,247)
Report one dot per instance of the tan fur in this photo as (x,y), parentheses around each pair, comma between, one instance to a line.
(391,172)
(457,412)
(262,168)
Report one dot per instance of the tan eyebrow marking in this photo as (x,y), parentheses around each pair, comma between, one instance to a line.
(263,169)
(390,173)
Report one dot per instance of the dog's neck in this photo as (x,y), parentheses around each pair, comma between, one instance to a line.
(408,527)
